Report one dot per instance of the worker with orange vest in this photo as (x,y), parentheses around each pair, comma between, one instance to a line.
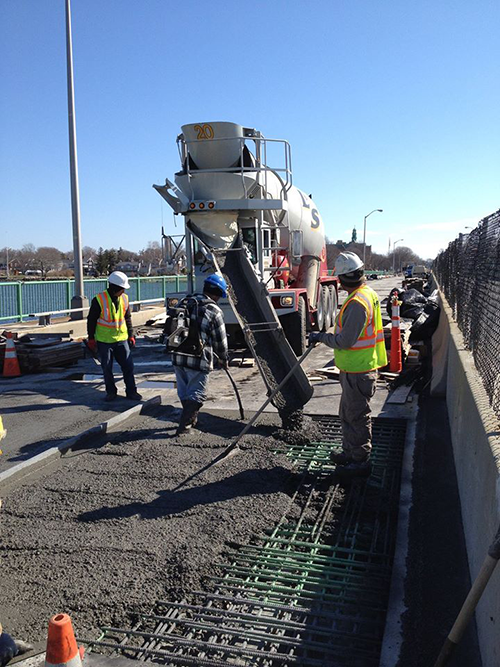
(110,333)
(358,341)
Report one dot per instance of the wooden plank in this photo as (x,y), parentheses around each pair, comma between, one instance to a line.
(399,395)
(388,376)
(330,371)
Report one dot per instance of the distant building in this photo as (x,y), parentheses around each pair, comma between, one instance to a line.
(128,267)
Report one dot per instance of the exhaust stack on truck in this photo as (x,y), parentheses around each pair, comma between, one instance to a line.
(244,217)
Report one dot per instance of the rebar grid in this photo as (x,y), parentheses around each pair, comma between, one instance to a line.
(312,591)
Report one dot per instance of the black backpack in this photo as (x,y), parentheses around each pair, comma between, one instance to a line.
(182,328)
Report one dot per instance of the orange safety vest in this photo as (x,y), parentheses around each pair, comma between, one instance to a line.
(111,326)
(368,352)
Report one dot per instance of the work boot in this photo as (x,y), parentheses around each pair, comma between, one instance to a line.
(195,407)
(134,396)
(110,397)
(355,469)
(340,458)
(189,416)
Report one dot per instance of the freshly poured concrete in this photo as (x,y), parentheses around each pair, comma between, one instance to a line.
(100,535)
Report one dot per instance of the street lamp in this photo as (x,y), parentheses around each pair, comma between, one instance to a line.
(79,300)
(394,255)
(375,210)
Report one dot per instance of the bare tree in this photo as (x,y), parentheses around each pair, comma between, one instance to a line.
(152,254)
(88,251)
(26,256)
(48,258)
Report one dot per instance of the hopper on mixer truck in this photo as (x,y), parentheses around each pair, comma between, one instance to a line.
(231,195)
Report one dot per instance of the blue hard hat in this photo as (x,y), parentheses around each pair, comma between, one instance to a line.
(214,280)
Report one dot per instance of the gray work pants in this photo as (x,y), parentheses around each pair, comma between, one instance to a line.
(357,390)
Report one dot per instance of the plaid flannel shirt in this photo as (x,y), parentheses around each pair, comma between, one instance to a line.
(213,334)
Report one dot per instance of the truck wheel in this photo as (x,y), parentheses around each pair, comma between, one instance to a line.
(327,310)
(320,310)
(295,328)
(333,302)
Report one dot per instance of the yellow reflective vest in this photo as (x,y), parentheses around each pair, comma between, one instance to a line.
(111,326)
(368,352)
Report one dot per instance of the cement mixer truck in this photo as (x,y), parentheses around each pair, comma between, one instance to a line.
(235,188)
(245,219)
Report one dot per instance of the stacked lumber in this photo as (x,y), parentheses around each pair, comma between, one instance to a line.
(36,353)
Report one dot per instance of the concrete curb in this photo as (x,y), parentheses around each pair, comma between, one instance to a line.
(27,467)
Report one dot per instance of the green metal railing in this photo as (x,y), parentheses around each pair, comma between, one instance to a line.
(20,299)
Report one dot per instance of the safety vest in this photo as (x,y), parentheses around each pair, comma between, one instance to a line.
(111,326)
(368,352)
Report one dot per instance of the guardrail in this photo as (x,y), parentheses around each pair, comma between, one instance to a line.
(21,301)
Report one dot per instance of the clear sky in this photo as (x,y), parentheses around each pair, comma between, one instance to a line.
(390,104)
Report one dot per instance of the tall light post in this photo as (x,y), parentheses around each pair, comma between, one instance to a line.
(79,299)
(394,255)
(375,210)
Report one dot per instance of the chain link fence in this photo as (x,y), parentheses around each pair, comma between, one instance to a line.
(468,272)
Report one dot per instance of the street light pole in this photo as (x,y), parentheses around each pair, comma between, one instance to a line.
(394,255)
(375,210)
(79,300)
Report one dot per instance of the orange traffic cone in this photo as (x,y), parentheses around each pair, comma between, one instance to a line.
(11,363)
(61,644)
(395,365)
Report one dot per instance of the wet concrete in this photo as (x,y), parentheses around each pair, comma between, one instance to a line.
(101,536)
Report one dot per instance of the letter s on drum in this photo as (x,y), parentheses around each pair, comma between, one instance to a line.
(315,222)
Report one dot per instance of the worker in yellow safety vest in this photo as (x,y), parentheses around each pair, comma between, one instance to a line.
(358,341)
(110,333)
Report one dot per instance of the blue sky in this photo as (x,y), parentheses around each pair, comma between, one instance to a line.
(388,104)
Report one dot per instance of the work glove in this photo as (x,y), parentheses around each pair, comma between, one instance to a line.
(92,345)
(131,341)
(314,337)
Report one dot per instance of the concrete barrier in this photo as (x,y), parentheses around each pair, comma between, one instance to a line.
(475,432)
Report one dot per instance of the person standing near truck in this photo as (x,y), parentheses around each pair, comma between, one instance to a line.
(358,341)
(193,366)
(110,334)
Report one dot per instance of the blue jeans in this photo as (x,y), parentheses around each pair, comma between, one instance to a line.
(121,352)
(191,384)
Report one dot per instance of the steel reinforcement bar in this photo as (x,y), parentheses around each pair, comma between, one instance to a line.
(312,591)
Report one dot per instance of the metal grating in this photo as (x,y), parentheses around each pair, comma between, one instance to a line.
(312,591)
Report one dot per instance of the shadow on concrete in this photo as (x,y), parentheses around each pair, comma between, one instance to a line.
(245,483)
(438,577)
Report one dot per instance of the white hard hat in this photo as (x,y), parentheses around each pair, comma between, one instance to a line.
(347,262)
(118,278)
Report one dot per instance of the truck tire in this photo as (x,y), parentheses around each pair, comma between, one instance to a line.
(333,302)
(320,310)
(328,310)
(295,328)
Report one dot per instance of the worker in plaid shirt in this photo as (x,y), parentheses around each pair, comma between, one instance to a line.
(192,370)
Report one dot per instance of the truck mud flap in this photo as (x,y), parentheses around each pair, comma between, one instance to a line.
(263,332)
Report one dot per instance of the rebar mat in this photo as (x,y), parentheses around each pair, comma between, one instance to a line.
(313,591)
